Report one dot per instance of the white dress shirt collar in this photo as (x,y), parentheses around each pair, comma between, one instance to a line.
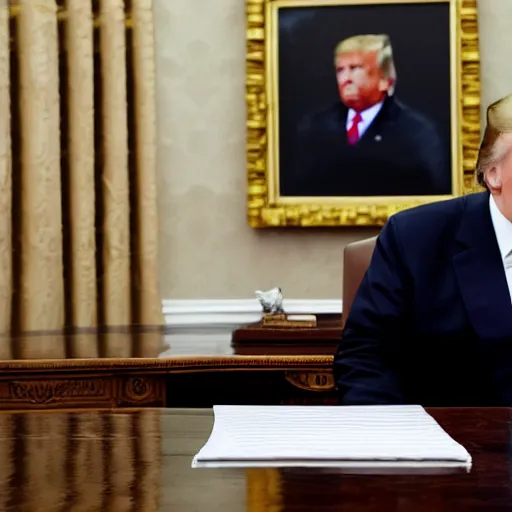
(368,116)
(502,229)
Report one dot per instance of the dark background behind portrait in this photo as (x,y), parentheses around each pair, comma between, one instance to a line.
(420,37)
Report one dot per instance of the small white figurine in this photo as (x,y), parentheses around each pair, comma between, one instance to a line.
(271,301)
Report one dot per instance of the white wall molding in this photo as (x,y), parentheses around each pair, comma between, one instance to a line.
(179,312)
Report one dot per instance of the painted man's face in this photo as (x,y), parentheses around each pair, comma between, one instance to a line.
(360,81)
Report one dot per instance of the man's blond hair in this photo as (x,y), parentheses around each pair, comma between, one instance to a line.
(499,122)
(371,43)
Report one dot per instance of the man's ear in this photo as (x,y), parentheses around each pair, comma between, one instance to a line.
(385,84)
(492,179)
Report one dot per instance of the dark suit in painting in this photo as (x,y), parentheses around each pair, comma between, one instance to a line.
(400,153)
(432,321)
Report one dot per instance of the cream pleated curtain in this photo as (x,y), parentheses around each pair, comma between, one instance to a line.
(78,233)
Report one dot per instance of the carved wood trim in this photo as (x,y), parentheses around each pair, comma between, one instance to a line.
(55,392)
(142,391)
(312,381)
(171,364)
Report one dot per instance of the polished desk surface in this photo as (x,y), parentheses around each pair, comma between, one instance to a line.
(188,341)
(140,460)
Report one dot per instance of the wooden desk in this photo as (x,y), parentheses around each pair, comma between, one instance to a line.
(140,460)
(194,366)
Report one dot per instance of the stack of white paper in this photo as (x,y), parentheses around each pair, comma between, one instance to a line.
(356,436)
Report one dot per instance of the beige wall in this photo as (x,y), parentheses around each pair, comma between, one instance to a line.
(207,249)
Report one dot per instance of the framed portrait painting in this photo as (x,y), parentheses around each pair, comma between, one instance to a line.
(357,109)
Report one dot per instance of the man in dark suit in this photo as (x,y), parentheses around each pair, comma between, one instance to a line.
(432,320)
(369,144)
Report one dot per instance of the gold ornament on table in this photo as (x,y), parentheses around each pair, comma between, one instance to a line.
(274,314)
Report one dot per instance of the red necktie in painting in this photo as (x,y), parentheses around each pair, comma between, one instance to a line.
(353,132)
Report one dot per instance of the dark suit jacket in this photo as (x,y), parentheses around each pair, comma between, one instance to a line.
(432,321)
(400,153)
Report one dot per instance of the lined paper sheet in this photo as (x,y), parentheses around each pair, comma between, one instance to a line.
(354,436)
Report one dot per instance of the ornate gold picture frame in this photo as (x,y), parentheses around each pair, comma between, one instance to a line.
(277,81)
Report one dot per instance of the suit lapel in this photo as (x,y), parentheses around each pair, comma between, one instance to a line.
(479,271)
(373,132)
(341,125)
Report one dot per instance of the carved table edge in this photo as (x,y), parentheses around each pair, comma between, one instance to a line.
(171,364)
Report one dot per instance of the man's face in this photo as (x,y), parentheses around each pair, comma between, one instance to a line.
(500,177)
(360,82)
